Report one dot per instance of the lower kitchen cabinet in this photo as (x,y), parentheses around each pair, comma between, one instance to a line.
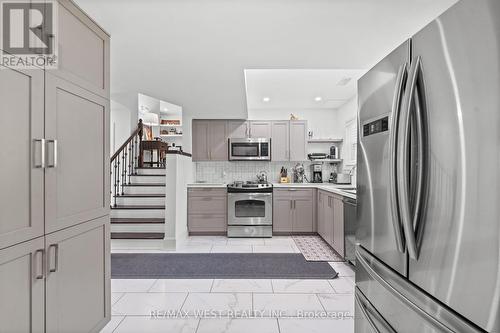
(78,278)
(22,287)
(293,211)
(207,211)
(331,220)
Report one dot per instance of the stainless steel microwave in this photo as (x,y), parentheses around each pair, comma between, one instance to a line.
(250,149)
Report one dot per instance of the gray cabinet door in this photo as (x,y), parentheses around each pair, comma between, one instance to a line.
(303,215)
(237,129)
(298,140)
(260,129)
(338,225)
(200,145)
(328,216)
(22,287)
(83,50)
(217,139)
(282,214)
(322,198)
(77,171)
(22,178)
(78,278)
(280,140)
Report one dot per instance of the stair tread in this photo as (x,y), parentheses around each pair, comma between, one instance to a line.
(149,175)
(137,220)
(145,184)
(149,168)
(137,235)
(141,195)
(138,207)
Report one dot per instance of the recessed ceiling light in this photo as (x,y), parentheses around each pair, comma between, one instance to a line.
(266,99)
(344,81)
(318,98)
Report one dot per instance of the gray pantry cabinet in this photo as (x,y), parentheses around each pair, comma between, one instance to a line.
(54,204)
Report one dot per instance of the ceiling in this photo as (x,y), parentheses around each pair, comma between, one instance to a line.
(300,88)
(194,53)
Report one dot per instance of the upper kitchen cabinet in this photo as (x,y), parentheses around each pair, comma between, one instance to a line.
(83,50)
(298,140)
(260,129)
(77,154)
(237,129)
(210,140)
(280,140)
(22,176)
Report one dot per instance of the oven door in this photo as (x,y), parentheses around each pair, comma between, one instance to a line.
(249,208)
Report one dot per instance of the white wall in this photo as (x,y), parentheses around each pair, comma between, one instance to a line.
(121,125)
(346,113)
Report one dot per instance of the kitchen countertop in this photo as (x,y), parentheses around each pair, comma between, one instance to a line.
(333,188)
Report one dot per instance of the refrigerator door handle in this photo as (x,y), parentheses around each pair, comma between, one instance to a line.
(410,222)
(368,311)
(396,109)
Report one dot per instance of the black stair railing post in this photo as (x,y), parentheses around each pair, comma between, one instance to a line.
(124,168)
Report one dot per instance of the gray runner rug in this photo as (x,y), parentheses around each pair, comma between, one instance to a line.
(217,266)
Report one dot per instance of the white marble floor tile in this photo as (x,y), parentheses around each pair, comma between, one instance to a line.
(149,325)
(115,297)
(181,285)
(245,241)
(229,325)
(222,303)
(337,302)
(232,249)
(273,249)
(302,286)
(142,304)
(207,240)
(131,285)
(192,248)
(113,324)
(242,286)
(285,305)
(279,241)
(342,268)
(302,325)
(342,285)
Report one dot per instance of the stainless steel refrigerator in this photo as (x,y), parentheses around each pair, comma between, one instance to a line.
(428,258)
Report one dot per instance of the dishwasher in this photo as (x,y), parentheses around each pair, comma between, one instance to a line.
(350,226)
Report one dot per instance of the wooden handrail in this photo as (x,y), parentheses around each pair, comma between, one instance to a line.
(138,132)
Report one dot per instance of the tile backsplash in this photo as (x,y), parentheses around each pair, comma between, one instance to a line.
(227,172)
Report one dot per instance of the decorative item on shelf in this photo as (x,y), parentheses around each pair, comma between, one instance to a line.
(310,134)
(293,117)
(149,119)
(172,122)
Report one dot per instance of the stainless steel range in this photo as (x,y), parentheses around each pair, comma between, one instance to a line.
(249,209)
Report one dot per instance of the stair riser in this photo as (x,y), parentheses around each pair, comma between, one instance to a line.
(144,189)
(147,179)
(123,201)
(151,171)
(138,227)
(137,213)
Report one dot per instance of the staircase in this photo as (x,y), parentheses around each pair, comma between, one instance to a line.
(137,194)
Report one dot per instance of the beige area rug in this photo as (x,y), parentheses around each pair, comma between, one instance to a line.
(314,248)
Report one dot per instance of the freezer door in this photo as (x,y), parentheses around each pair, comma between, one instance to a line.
(403,307)
(380,92)
(458,242)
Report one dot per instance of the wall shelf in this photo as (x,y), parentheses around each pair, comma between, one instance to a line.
(325,140)
(327,160)
(165,125)
(171,135)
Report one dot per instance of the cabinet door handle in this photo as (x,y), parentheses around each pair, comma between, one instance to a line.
(42,154)
(56,258)
(39,264)
(291,204)
(54,163)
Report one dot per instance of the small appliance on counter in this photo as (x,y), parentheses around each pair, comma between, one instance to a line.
(317,173)
(340,178)
(299,174)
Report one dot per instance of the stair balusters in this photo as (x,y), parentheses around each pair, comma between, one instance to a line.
(124,163)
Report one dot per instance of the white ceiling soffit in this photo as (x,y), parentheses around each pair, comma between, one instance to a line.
(193,53)
(300,88)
